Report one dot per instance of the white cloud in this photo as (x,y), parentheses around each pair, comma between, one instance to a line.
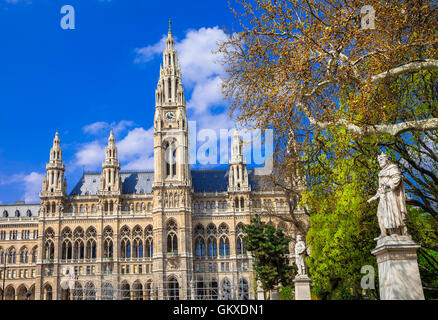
(135,149)
(149,52)
(33,183)
(90,155)
(100,127)
(196,55)
(95,127)
(137,143)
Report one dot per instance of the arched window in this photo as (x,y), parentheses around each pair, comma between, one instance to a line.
(108,242)
(34,254)
(49,246)
(29,213)
(78,246)
(125,291)
(126,248)
(5,214)
(17,213)
(242,203)
(172,239)
(212,247)
(236,203)
(224,246)
(241,250)
(243,289)
(137,247)
(79,249)
(90,291)
(173,289)
(91,249)
(107,291)
(200,247)
(226,289)
(24,255)
(149,247)
(66,250)
(108,248)
(137,207)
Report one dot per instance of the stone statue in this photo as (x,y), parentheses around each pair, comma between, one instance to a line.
(131,208)
(182,199)
(391,211)
(143,207)
(60,208)
(300,254)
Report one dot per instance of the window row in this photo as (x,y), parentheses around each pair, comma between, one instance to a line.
(24,256)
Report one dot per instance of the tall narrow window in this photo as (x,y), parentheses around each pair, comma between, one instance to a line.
(174,163)
(170,89)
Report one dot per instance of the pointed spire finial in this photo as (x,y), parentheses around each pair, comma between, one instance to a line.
(170,26)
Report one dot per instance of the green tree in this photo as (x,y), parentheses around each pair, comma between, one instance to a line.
(269,247)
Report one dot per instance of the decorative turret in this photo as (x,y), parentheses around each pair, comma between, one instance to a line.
(54,183)
(238,177)
(110,181)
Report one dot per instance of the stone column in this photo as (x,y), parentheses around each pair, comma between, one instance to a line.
(399,276)
(302,287)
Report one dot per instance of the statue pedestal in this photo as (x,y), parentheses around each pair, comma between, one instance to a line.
(302,287)
(274,295)
(399,277)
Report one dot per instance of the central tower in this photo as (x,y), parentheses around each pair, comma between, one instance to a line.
(172,181)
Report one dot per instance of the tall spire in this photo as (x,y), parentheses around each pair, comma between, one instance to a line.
(170,91)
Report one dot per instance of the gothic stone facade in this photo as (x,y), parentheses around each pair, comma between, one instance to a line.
(171,233)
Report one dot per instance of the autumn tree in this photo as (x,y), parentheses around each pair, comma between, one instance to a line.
(336,93)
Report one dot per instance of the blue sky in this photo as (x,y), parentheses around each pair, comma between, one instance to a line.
(103,74)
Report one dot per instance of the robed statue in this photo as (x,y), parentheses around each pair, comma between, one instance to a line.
(300,254)
(391,212)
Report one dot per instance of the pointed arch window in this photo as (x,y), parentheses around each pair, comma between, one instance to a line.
(149,248)
(212,247)
(200,247)
(172,239)
(224,246)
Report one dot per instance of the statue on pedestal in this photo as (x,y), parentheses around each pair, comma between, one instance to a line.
(300,254)
(391,212)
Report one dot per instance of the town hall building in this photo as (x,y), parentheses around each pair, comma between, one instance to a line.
(170,233)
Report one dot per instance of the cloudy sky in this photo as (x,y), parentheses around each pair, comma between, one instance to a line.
(101,75)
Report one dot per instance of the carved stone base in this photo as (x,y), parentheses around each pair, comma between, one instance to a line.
(302,287)
(399,276)
(274,293)
(260,292)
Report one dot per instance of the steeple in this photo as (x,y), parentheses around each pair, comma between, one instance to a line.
(110,181)
(171,155)
(238,175)
(170,91)
(54,182)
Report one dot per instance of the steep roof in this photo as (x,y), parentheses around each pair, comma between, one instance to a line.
(141,182)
